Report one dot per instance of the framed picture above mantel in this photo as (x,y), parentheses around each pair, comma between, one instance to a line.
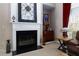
(27,12)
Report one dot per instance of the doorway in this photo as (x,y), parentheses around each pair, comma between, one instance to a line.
(48,16)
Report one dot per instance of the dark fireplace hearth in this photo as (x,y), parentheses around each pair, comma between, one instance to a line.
(26,41)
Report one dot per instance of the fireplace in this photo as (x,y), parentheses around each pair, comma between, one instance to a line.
(20,33)
(26,41)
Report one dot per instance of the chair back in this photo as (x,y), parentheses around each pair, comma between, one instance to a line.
(77,35)
(65,34)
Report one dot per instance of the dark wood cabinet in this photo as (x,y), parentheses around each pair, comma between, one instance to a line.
(48,33)
(48,36)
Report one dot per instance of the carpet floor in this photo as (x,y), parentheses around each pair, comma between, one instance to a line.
(50,49)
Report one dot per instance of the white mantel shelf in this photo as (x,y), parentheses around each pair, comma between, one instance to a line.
(26,23)
(22,26)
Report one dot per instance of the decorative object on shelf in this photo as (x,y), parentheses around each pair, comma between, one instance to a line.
(27,12)
(46,22)
(45,18)
(8,46)
(13,18)
(65,30)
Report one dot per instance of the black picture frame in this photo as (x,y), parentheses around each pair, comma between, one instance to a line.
(27,20)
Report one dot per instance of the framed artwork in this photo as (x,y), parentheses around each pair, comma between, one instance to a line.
(45,22)
(27,12)
(45,18)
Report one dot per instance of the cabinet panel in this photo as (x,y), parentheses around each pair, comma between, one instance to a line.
(48,36)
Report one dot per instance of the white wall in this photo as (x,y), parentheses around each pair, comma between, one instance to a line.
(58,18)
(52,21)
(5,26)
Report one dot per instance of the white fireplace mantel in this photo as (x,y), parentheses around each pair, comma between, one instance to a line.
(24,27)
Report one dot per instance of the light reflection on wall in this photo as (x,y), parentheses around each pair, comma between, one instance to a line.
(73,20)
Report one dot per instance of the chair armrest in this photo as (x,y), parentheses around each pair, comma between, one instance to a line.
(71,42)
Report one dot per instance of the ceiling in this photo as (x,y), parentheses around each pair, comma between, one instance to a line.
(48,7)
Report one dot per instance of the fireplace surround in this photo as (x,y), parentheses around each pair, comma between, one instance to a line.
(18,27)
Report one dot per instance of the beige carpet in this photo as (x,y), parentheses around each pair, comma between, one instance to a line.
(50,49)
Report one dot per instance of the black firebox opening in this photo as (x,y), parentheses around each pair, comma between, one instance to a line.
(26,41)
